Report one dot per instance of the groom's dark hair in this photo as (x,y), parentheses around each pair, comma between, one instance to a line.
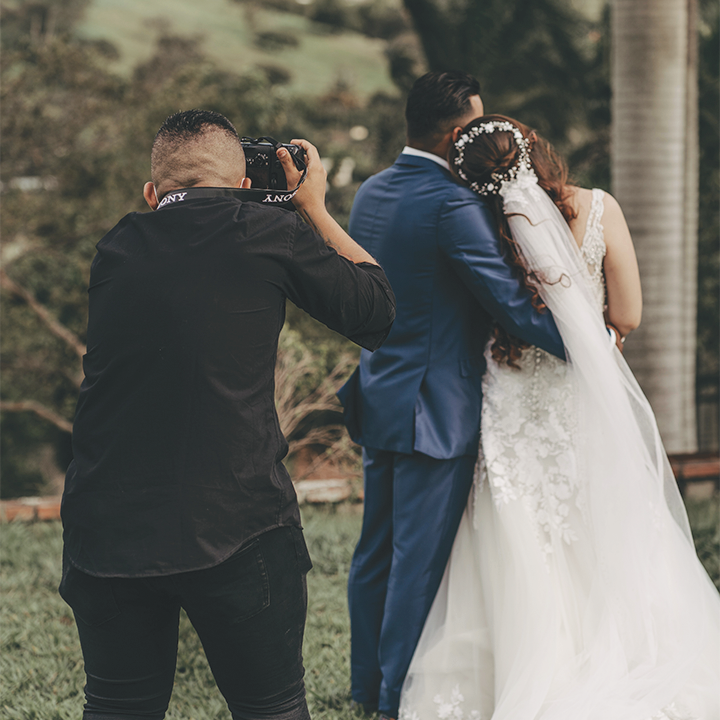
(436,100)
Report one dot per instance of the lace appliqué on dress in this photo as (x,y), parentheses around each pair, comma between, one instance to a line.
(672,712)
(593,248)
(446,709)
(529,421)
(528,425)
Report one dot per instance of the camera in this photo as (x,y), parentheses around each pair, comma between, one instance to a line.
(262,165)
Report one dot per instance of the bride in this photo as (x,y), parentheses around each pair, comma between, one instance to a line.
(573,591)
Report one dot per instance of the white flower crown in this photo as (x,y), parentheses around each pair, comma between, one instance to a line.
(492,187)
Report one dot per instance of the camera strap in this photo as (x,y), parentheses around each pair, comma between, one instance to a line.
(278,198)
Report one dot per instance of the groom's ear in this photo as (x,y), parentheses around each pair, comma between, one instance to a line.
(456,133)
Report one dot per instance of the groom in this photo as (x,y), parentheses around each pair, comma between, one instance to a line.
(414,405)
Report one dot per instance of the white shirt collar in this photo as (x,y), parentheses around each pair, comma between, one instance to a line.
(429,156)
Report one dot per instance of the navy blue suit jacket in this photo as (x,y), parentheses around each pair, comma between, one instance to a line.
(438,244)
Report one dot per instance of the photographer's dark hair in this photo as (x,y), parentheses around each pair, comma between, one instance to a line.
(495,153)
(437,99)
(191,123)
(196,145)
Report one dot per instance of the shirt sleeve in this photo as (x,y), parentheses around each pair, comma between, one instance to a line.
(355,300)
(468,236)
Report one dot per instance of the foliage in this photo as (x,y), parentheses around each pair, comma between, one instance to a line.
(226,33)
(309,412)
(76,142)
(708,364)
(40,21)
(531,58)
(276,41)
(41,663)
(77,157)
(704,518)
(374,18)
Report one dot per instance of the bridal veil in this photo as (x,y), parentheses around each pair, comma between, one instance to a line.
(619,623)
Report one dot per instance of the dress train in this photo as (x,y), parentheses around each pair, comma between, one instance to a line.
(573,591)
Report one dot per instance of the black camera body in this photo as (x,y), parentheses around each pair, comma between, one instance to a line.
(262,165)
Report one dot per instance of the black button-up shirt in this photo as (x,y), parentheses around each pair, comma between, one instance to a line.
(177,446)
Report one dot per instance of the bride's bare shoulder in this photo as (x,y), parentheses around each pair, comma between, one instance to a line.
(615,229)
(580,200)
(614,223)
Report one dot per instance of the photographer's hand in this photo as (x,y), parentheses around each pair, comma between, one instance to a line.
(310,203)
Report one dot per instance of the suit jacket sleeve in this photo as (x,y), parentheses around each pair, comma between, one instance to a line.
(355,300)
(468,236)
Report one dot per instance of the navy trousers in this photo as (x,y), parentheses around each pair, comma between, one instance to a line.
(413,506)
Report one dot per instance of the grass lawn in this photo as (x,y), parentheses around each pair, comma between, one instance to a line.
(227,32)
(40,660)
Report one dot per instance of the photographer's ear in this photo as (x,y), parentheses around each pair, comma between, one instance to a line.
(150,195)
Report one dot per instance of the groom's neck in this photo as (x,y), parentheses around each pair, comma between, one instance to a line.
(437,145)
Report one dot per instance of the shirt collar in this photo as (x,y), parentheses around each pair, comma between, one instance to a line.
(429,156)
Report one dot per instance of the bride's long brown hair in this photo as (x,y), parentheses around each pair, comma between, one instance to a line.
(496,152)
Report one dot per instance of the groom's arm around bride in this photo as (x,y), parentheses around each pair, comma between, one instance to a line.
(414,405)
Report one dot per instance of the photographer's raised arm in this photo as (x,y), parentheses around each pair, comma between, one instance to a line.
(310,203)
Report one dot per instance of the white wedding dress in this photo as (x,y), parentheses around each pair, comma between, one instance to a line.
(573,591)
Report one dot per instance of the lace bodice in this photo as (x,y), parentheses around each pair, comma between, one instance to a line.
(529,421)
(593,247)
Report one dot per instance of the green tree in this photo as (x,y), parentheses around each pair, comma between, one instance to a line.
(708,311)
(77,144)
(39,22)
(531,57)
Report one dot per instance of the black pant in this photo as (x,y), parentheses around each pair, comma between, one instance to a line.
(249,613)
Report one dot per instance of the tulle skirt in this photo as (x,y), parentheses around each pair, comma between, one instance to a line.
(514,635)
(560,601)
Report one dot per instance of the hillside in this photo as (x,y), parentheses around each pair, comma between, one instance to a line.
(229,33)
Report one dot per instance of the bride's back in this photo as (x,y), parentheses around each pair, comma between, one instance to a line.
(581,202)
(622,277)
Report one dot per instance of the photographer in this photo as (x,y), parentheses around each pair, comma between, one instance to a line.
(177,496)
